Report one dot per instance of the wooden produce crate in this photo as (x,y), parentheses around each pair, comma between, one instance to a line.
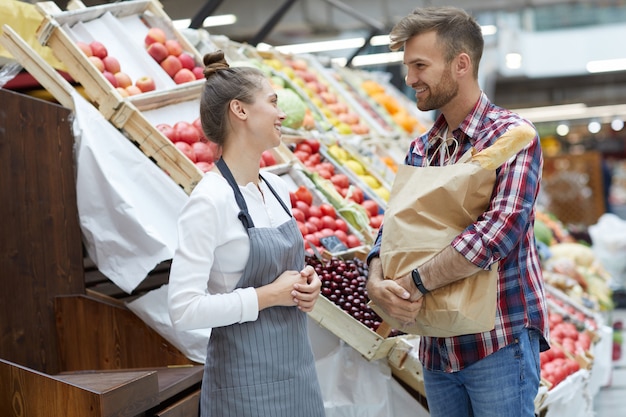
(121,27)
(138,118)
(371,344)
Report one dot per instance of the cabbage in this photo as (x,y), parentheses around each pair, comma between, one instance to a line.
(291,103)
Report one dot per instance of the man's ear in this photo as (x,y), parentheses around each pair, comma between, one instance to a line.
(237,108)
(463,64)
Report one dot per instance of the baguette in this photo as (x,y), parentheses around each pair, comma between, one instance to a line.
(506,146)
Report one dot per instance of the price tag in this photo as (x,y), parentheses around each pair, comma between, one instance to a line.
(333,244)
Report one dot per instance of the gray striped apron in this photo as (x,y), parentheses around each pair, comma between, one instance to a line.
(264,367)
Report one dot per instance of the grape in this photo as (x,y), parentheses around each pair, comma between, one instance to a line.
(344,283)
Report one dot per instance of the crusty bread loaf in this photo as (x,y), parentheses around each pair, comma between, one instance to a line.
(506,146)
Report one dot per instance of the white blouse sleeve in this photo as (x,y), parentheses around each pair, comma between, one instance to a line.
(204,224)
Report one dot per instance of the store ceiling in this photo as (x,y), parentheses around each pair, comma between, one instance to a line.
(315,18)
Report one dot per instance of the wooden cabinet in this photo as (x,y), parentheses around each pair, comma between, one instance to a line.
(65,350)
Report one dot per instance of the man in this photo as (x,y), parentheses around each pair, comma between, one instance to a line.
(495,373)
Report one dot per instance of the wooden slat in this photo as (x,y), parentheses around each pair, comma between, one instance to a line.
(186,407)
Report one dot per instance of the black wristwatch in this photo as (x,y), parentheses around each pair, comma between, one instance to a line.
(417,279)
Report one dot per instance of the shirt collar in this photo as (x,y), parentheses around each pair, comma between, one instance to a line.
(470,126)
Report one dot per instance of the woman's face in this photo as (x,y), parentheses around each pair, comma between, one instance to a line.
(265,117)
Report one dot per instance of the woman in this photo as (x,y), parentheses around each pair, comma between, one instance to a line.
(239,268)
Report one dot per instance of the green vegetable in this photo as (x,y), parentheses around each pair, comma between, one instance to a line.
(543,232)
(291,103)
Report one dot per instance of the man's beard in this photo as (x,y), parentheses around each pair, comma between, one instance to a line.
(441,95)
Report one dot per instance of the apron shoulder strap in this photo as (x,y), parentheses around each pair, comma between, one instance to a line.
(280,200)
(243,215)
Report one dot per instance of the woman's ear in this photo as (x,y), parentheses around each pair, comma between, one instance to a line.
(237,108)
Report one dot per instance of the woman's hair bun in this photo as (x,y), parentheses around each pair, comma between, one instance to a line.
(213,62)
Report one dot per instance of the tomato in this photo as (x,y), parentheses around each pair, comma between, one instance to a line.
(314,144)
(292,198)
(342,236)
(371,206)
(303,194)
(311,227)
(329,222)
(324,173)
(314,158)
(312,238)
(328,210)
(315,211)
(298,214)
(327,232)
(340,180)
(356,194)
(302,156)
(315,221)
(304,147)
(304,207)
(376,221)
(341,224)
(303,229)
(352,241)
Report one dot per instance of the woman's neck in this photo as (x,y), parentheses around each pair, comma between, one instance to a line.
(244,167)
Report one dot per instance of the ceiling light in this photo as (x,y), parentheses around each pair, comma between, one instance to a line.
(594,126)
(489,30)
(372,59)
(379,40)
(617,124)
(571,112)
(334,45)
(562,129)
(513,60)
(210,21)
(607,65)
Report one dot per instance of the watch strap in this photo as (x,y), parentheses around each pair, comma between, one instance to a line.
(417,279)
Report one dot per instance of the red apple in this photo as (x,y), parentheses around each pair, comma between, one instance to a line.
(155,35)
(268,158)
(198,72)
(122,92)
(98,49)
(111,78)
(204,166)
(158,51)
(133,90)
(167,131)
(186,148)
(171,65)
(145,83)
(197,123)
(187,61)
(203,152)
(85,48)
(186,132)
(173,47)
(184,75)
(97,62)
(111,64)
(123,79)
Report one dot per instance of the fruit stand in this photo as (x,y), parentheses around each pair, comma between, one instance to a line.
(344,138)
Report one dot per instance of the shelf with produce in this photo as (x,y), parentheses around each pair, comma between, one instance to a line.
(351,199)
(119,50)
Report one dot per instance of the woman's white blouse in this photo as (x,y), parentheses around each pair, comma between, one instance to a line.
(213,249)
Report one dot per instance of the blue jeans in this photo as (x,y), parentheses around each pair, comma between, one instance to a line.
(504,383)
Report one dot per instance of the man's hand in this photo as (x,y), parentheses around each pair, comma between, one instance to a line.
(391,296)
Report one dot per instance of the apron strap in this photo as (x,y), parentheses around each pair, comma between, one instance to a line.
(243,215)
(280,200)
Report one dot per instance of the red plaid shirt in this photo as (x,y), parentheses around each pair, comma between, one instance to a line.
(504,234)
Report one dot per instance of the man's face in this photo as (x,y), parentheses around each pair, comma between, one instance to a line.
(428,73)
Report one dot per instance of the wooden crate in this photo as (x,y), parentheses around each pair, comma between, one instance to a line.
(125,25)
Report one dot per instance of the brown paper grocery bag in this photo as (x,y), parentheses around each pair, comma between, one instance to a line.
(427,209)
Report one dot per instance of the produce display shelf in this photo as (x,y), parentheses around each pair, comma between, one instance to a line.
(124,26)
